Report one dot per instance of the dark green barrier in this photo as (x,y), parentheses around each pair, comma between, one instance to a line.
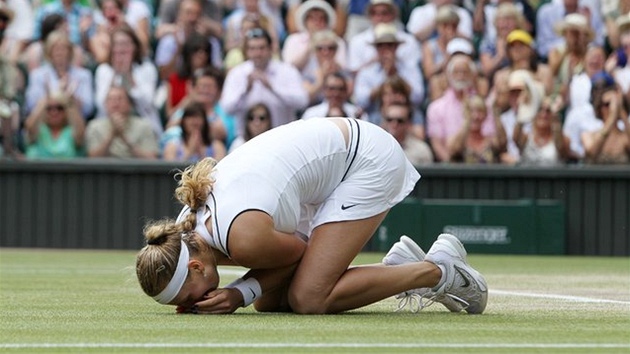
(485,226)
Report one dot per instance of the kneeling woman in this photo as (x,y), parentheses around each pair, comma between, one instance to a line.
(295,205)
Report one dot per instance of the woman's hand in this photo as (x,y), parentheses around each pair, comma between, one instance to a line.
(219,301)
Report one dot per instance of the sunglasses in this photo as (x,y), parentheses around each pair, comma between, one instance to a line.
(256,33)
(335,88)
(398,120)
(326,47)
(260,117)
(55,107)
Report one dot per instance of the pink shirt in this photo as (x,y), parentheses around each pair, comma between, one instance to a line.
(446,115)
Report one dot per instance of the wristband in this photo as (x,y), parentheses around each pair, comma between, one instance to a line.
(249,288)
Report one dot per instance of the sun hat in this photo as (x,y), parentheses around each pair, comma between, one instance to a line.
(623,22)
(373,3)
(306,6)
(459,45)
(518,35)
(385,33)
(575,21)
(446,14)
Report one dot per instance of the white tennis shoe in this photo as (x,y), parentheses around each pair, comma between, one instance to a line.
(407,251)
(459,280)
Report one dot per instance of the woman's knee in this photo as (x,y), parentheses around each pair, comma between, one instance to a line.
(304,301)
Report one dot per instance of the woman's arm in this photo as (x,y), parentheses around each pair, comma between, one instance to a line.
(76,121)
(31,125)
(254,242)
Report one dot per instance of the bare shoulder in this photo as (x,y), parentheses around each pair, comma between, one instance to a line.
(249,232)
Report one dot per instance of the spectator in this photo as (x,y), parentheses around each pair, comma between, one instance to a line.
(233,33)
(263,79)
(120,134)
(485,14)
(236,55)
(439,82)
(361,53)
(55,128)
(171,39)
(18,32)
(360,13)
(505,104)
(311,17)
(135,13)
(196,141)
(434,56)
(545,144)
(554,12)
(325,47)
(422,20)
(395,90)
(615,14)
(387,64)
(79,18)
(611,143)
(258,121)
(9,110)
(127,67)
(335,102)
(445,115)
(493,52)
(33,56)
(196,54)
(580,116)
(397,120)
(206,89)
(470,145)
(209,25)
(618,63)
(567,59)
(521,55)
(112,16)
(60,74)
(341,15)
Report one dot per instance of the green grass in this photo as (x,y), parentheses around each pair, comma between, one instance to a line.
(57,301)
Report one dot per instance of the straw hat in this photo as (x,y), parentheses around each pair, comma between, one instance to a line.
(447,14)
(385,33)
(306,6)
(575,21)
(373,3)
(623,23)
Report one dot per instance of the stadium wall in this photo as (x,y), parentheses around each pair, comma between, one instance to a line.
(100,204)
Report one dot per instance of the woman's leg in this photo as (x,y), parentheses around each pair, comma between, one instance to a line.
(324,284)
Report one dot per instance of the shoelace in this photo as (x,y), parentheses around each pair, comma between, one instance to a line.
(417,302)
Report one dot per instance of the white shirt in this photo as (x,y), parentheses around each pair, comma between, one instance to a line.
(287,96)
(424,15)
(321,110)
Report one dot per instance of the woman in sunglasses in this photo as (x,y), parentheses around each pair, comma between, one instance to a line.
(257,121)
(296,205)
(55,128)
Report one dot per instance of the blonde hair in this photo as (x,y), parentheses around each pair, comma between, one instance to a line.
(474,102)
(55,37)
(156,262)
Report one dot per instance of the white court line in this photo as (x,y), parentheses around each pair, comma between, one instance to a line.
(317,345)
(558,297)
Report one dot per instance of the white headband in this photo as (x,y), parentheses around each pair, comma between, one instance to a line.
(175,285)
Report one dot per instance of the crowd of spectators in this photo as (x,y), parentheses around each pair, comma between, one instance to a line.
(542,82)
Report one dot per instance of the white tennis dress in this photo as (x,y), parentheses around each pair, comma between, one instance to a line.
(303,175)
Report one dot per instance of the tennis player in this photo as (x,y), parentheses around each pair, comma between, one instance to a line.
(296,205)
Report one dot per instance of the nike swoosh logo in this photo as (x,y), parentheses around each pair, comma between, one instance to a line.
(344,207)
(253,293)
(466,281)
